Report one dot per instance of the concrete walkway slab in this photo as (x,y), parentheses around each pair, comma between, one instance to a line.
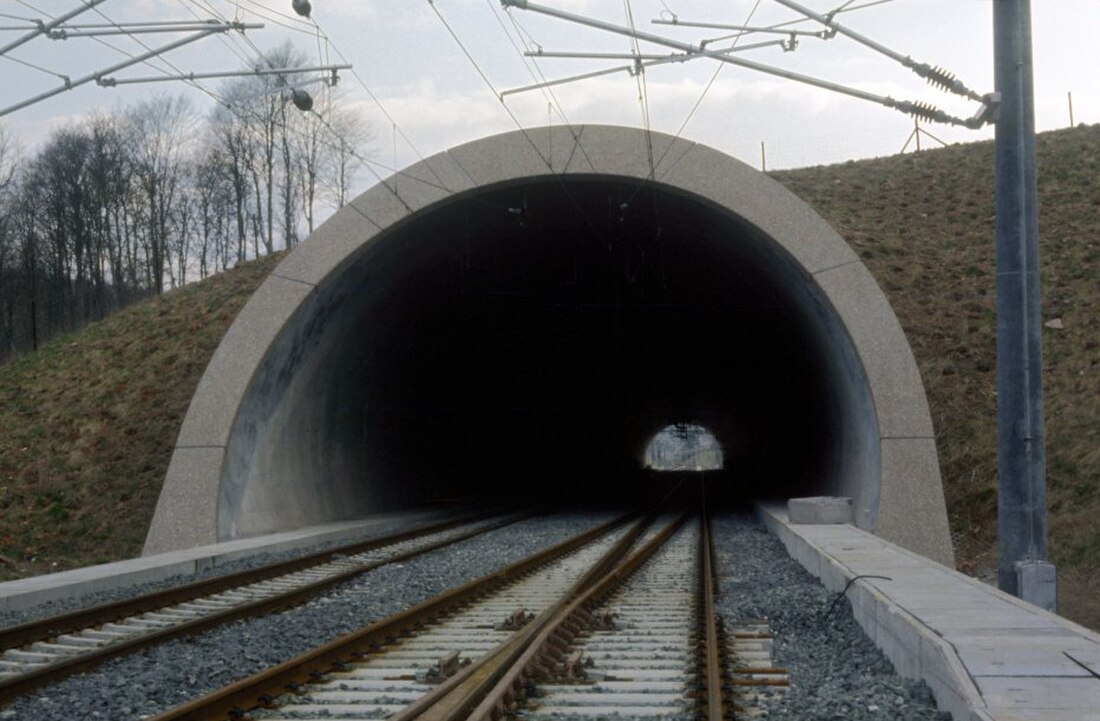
(987,656)
(27,592)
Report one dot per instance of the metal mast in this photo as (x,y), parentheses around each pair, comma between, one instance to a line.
(1022,567)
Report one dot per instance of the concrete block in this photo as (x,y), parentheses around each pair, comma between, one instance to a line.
(1027,655)
(1037,582)
(820,509)
(1041,694)
(899,651)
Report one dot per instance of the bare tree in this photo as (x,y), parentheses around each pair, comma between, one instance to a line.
(309,153)
(331,143)
(349,133)
(212,180)
(9,256)
(113,207)
(109,180)
(160,129)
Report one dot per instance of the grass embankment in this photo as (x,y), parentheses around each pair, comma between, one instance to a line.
(923,224)
(87,424)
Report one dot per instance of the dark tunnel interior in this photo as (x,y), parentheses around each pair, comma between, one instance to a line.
(526,341)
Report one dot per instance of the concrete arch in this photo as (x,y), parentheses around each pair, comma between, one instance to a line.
(392,342)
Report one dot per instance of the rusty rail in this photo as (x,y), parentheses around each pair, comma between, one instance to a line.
(489,691)
(713,662)
(45,629)
(262,689)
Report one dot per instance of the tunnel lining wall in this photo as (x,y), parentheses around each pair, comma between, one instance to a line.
(901,496)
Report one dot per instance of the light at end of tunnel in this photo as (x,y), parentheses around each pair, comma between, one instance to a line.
(684,447)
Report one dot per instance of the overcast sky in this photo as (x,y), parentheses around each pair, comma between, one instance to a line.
(404,55)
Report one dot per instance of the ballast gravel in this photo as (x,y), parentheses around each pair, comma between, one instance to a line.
(160,678)
(836,673)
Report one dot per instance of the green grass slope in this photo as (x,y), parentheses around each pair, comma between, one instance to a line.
(923,224)
(87,424)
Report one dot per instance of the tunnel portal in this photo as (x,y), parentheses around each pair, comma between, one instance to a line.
(517,318)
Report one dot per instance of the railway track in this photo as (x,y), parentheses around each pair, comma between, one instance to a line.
(610,622)
(41,652)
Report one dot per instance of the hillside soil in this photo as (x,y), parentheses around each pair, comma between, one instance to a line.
(88,423)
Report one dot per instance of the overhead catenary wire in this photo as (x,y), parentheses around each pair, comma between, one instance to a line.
(150,54)
(322,35)
(233,47)
(43,28)
(643,90)
(135,59)
(537,75)
(548,162)
(935,75)
(489,83)
(70,84)
(32,66)
(273,16)
(32,22)
(918,109)
(706,89)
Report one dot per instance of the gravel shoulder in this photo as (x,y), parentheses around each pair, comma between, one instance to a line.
(836,673)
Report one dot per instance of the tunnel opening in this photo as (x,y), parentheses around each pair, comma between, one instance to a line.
(683,447)
(525,341)
(517,317)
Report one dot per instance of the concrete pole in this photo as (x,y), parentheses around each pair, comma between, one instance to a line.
(1022,567)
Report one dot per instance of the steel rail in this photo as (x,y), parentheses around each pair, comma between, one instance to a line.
(454,699)
(50,628)
(489,692)
(260,690)
(712,670)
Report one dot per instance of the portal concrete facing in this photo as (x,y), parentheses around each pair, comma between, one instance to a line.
(266,444)
(987,656)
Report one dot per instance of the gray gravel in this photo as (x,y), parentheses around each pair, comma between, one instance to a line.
(836,673)
(163,677)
